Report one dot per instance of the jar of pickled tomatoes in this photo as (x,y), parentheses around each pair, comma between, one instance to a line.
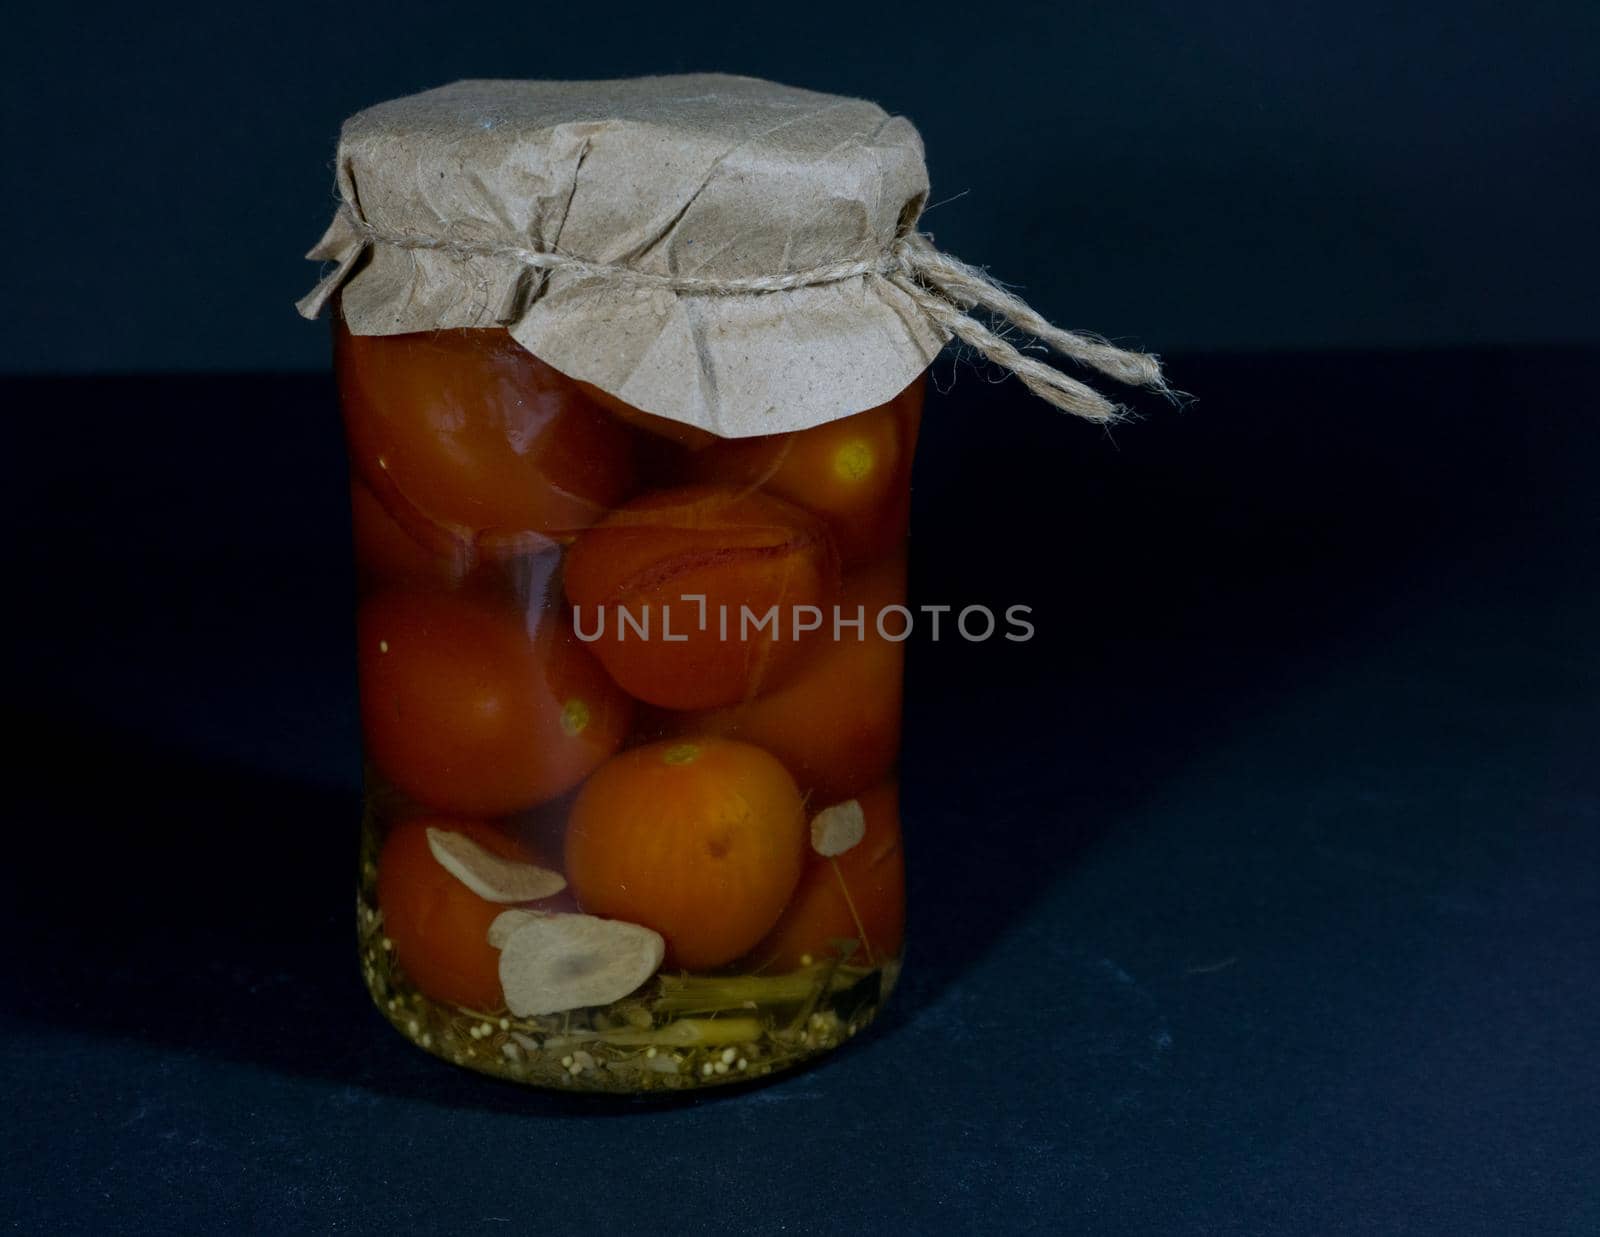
(631,376)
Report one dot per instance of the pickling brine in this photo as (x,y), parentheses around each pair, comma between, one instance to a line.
(631,719)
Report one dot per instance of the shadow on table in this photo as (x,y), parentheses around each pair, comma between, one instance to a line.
(1187,573)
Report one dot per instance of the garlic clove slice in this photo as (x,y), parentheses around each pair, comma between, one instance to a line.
(488,875)
(507,922)
(836,829)
(553,963)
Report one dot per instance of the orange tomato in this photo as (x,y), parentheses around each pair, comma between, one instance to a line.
(735,549)
(691,436)
(478,436)
(439,927)
(836,723)
(859,895)
(855,472)
(700,840)
(466,712)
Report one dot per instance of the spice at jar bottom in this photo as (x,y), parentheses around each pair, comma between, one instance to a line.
(631,375)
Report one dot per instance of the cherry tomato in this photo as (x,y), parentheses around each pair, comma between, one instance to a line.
(388,553)
(465,712)
(854,472)
(700,840)
(835,723)
(859,895)
(439,927)
(478,436)
(736,549)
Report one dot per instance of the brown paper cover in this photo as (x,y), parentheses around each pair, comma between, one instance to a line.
(445,195)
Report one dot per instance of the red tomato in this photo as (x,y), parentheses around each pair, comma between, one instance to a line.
(478,436)
(859,895)
(386,552)
(735,549)
(835,723)
(854,472)
(439,927)
(465,712)
(390,553)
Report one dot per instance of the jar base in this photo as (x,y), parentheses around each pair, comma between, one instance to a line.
(678,1033)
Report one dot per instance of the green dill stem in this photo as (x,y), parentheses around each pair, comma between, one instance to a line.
(697,994)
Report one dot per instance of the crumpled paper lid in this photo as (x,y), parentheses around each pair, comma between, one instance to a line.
(707,248)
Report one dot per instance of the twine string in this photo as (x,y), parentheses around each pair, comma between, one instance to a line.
(946,291)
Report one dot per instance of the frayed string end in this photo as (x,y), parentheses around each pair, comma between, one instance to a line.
(947,290)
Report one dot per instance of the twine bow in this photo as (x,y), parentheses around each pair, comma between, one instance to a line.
(945,290)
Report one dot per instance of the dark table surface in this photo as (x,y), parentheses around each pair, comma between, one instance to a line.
(1260,892)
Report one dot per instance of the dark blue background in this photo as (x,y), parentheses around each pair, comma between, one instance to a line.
(1261,892)
(1240,175)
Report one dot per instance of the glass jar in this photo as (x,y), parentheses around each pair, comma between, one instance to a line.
(631,374)
(630,703)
